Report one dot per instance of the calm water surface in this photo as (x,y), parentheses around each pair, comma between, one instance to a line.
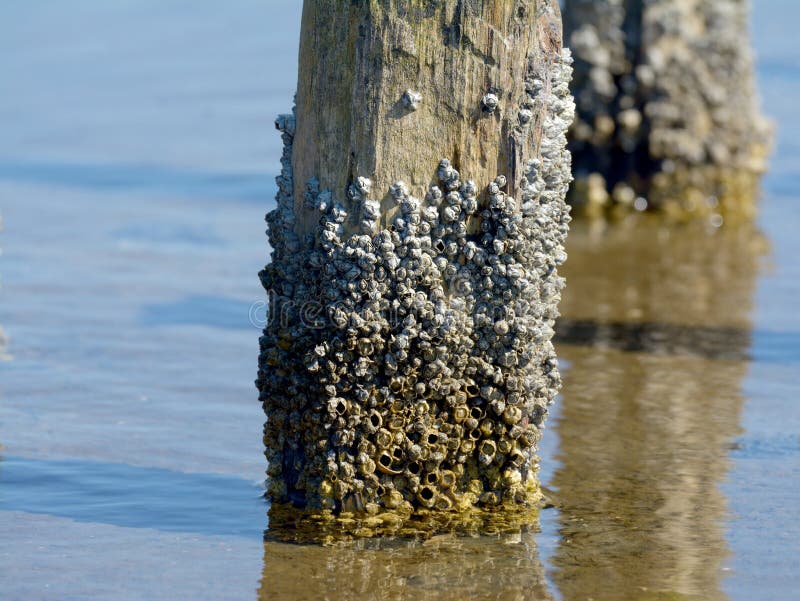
(136,163)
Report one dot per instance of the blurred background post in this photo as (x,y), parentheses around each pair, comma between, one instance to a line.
(668,116)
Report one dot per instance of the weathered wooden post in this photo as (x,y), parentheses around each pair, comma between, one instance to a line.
(407,367)
(667,112)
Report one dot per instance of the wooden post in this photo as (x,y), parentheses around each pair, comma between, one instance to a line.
(668,117)
(407,366)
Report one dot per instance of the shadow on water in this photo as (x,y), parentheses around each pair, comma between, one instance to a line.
(144,180)
(133,497)
(657,335)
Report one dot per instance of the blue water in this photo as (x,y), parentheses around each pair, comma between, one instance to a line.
(137,158)
(124,495)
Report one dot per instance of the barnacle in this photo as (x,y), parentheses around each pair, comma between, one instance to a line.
(490,102)
(411,99)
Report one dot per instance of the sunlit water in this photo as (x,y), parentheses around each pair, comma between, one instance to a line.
(136,163)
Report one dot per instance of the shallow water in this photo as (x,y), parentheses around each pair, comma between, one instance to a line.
(136,164)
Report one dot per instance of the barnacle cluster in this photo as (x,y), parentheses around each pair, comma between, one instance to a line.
(667,113)
(407,367)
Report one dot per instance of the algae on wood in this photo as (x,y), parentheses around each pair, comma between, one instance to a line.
(407,366)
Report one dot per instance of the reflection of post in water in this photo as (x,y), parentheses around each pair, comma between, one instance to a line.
(441,568)
(656,330)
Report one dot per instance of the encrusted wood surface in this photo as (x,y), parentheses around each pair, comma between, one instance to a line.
(358,58)
(407,366)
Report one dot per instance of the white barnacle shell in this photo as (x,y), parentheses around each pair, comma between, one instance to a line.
(411,99)
(363,185)
(448,174)
(497,202)
(371,210)
(453,199)
(454,184)
(392,262)
(286,123)
(451,213)
(486,452)
(434,196)
(338,213)
(468,188)
(534,85)
(525,116)
(362,367)
(480,257)
(490,102)
(501,181)
(399,191)
(401,341)
(470,204)
(469,250)
(501,327)
(338,317)
(409,205)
